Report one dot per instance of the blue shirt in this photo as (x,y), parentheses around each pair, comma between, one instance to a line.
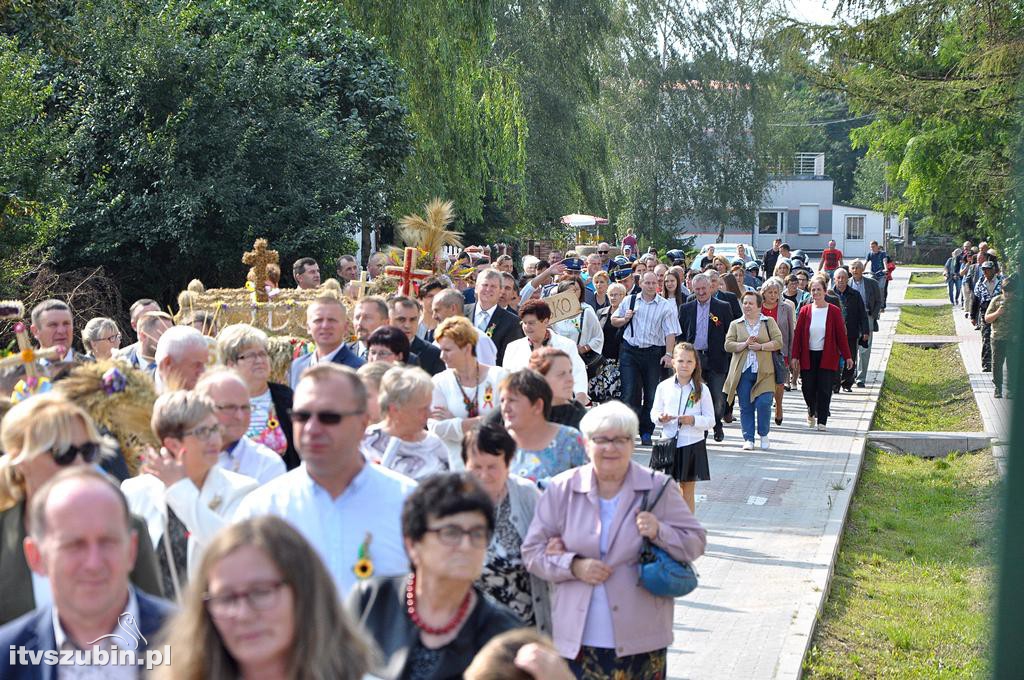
(371,507)
(877,261)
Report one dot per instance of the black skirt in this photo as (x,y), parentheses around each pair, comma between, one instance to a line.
(691,463)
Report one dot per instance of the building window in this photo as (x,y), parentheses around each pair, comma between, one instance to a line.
(854,227)
(809,219)
(770,222)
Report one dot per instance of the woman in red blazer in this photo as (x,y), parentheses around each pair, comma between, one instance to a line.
(818,343)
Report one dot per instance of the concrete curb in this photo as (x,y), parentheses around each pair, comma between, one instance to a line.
(931,444)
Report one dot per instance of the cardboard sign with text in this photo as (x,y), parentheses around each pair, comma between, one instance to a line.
(563,305)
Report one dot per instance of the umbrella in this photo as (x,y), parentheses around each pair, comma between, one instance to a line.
(575,220)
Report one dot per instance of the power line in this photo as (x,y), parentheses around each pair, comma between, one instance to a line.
(815,123)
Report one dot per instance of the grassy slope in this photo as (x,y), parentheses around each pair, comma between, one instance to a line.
(913,581)
(926,390)
(926,321)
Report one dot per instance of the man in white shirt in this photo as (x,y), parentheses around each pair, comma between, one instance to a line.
(80,539)
(346,508)
(450,302)
(230,398)
(534,318)
(327,325)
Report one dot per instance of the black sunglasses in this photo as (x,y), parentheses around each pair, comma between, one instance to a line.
(602,252)
(89,452)
(325,417)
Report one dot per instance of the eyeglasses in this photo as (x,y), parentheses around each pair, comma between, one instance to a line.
(116,337)
(376,353)
(451,535)
(205,433)
(253,356)
(325,417)
(89,452)
(260,597)
(608,441)
(243,408)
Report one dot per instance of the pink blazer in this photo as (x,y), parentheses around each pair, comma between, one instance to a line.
(570,509)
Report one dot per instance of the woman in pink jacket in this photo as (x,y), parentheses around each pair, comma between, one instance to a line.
(603,621)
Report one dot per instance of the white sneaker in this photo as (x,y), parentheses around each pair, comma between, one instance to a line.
(810,421)
(765,444)
(748,446)
(821,428)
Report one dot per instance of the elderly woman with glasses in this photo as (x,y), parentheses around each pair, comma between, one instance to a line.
(430,624)
(101,338)
(400,441)
(183,495)
(263,605)
(244,348)
(585,538)
(42,436)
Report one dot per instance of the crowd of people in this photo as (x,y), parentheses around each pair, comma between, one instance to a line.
(976,283)
(437,473)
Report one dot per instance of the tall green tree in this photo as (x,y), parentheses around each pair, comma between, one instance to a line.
(199,127)
(465,103)
(942,78)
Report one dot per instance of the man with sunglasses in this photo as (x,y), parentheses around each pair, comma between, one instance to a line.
(82,542)
(348,509)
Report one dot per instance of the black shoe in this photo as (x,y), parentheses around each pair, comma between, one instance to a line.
(778,421)
(847,389)
(835,390)
(719,434)
(860,383)
(998,395)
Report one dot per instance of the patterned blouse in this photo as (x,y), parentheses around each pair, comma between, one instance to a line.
(504,576)
(564,452)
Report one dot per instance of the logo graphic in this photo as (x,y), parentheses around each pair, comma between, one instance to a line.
(127,623)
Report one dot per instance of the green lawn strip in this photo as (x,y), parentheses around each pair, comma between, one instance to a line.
(921,266)
(926,321)
(926,293)
(926,277)
(926,390)
(911,594)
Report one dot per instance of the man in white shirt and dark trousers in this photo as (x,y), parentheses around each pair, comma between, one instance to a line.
(347,508)
(651,325)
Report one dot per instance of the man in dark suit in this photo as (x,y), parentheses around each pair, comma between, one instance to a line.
(725,296)
(404,313)
(871,291)
(500,326)
(81,539)
(703,321)
(327,325)
(856,318)
(54,326)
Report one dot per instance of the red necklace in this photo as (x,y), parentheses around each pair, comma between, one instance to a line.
(410,607)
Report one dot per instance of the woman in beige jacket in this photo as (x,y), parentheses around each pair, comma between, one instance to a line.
(752,338)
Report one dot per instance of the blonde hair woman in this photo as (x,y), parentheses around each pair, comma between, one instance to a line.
(101,338)
(292,625)
(42,436)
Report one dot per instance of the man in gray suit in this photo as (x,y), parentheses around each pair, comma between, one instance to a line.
(327,325)
(871,291)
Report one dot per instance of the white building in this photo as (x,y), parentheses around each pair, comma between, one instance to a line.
(799,209)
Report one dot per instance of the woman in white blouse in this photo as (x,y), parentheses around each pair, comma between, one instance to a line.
(464,393)
(584,329)
(184,497)
(685,410)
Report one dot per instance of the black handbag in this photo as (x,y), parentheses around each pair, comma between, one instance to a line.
(779,364)
(663,449)
(591,359)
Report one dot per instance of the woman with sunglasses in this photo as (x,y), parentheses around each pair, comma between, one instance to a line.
(431,623)
(183,495)
(262,604)
(42,436)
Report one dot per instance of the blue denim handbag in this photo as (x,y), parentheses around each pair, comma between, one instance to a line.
(660,574)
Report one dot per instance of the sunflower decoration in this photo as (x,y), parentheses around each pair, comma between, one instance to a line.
(120,401)
(363,568)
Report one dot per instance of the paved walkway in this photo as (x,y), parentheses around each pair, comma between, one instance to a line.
(995,413)
(774,519)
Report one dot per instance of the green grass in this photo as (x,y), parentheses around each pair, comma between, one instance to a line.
(926,277)
(926,321)
(926,293)
(921,266)
(912,591)
(926,390)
